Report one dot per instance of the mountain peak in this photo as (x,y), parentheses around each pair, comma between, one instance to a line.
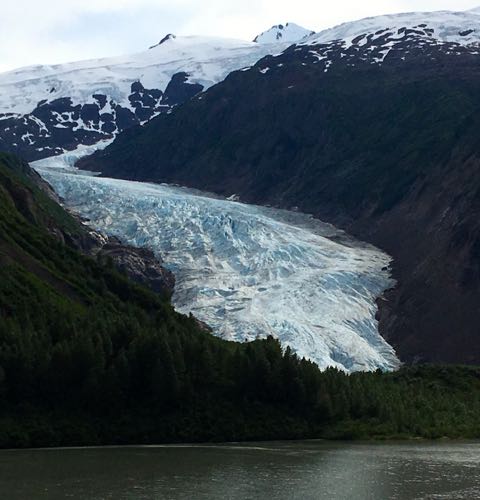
(289,32)
(170,36)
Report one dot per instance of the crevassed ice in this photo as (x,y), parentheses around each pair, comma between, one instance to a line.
(245,270)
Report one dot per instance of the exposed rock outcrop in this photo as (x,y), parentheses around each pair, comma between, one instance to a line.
(140,265)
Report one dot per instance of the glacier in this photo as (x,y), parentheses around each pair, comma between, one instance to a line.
(247,271)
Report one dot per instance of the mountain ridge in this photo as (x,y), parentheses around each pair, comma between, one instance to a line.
(46,110)
(446,24)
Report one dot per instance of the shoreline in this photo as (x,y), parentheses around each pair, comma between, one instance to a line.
(255,445)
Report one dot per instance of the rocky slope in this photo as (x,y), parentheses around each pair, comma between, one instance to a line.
(139,264)
(375,131)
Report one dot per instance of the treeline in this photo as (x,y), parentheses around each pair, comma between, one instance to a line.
(107,380)
(87,357)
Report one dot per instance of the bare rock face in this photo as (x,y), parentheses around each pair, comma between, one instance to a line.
(140,265)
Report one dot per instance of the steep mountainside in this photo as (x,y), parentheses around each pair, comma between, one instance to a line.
(45,110)
(376,132)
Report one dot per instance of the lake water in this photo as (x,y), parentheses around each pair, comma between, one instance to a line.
(287,470)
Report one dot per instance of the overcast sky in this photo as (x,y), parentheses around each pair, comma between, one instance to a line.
(51,31)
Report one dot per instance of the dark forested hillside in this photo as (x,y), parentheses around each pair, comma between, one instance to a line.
(81,346)
(87,357)
(389,151)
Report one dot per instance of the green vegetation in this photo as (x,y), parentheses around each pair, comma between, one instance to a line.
(86,357)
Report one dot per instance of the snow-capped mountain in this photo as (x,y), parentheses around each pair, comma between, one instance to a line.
(45,109)
(48,109)
(442,26)
(407,42)
(403,38)
(289,32)
(206,60)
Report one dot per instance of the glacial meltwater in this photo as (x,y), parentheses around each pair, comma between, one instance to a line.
(245,270)
(295,470)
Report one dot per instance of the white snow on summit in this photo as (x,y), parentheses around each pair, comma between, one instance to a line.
(448,26)
(208,60)
(289,32)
